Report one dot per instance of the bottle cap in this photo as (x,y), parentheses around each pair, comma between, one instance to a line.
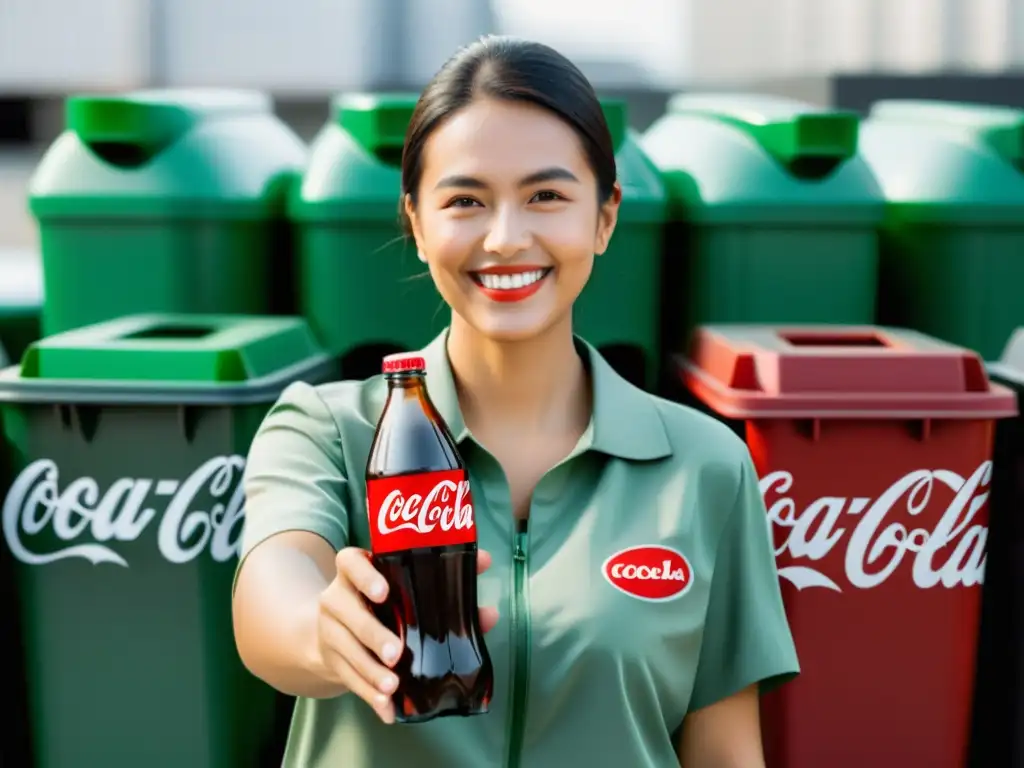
(404,362)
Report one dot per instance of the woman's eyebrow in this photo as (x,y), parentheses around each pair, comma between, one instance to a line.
(460,181)
(554,173)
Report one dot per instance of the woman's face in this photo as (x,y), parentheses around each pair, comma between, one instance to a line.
(508,217)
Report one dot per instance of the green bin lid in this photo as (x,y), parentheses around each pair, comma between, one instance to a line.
(169,356)
(616,114)
(644,199)
(790,131)
(174,152)
(354,169)
(377,121)
(945,162)
(354,173)
(751,157)
(148,121)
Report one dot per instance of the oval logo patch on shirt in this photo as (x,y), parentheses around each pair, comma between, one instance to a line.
(651,573)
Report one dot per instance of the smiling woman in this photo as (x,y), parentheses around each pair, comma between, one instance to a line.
(501,178)
(627,572)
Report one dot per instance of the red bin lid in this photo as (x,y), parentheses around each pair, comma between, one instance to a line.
(829,371)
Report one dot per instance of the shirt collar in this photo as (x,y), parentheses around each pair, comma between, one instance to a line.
(626,422)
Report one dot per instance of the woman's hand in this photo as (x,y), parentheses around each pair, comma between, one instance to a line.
(353,648)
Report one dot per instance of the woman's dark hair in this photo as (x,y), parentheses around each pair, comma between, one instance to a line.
(510,69)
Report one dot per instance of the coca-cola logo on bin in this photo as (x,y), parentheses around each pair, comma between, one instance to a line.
(432,509)
(203,511)
(875,536)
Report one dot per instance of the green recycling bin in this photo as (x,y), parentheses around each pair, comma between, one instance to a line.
(360,285)
(122,514)
(365,292)
(619,312)
(21,302)
(165,201)
(952,245)
(774,213)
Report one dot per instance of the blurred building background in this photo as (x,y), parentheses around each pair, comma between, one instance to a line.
(830,52)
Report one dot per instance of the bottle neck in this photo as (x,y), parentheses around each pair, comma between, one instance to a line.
(406,391)
(411,436)
(410,382)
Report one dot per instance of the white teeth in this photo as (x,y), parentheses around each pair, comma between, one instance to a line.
(509,282)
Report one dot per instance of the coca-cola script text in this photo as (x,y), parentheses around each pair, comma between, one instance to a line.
(949,552)
(433,509)
(91,520)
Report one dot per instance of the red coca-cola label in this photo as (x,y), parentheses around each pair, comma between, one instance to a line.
(433,509)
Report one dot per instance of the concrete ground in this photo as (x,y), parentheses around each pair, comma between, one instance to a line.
(17,229)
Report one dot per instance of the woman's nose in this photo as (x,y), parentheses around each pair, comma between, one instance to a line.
(508,234)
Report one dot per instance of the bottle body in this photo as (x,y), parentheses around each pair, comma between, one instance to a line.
(423,541)
(444,669)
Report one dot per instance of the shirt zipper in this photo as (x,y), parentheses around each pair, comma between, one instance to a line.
(520,666)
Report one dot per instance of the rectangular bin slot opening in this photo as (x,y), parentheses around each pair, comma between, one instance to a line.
(834,340)
(121,154)
(173,332)
(390,156)
(814,168)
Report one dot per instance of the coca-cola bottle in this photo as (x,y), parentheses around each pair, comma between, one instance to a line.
(423,540)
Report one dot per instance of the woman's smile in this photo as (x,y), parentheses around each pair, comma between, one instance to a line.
(510,283)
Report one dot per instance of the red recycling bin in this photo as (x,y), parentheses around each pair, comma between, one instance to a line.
(874,452)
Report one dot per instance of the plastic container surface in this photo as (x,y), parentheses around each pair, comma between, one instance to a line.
(165,201)
(360,285)
(874,449)
(122,512)
(953,235)
(774,213)
(619,310)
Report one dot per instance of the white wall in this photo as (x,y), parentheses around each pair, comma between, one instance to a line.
(51,46)
(319,46)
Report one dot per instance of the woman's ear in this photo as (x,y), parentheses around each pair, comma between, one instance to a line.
(414,226)
(607,218)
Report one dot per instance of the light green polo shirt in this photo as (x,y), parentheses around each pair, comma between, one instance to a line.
(643,588)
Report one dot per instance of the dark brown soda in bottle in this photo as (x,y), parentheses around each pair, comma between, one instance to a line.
(424,541)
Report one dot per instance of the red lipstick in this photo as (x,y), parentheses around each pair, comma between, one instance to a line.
(510,283)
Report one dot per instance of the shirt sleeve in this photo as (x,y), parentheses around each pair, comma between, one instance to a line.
(294,477)
(747,638)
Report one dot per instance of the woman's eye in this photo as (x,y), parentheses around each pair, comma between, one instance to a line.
(461,202)
(546,196)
